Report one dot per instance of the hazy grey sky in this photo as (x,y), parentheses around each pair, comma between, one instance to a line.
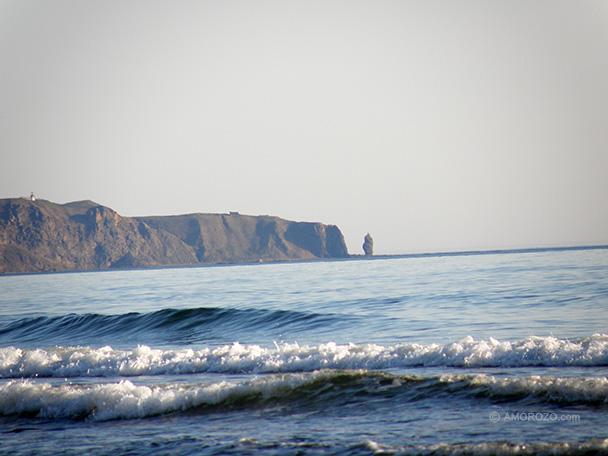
(434,125)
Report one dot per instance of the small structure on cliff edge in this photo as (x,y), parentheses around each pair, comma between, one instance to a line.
(368,245)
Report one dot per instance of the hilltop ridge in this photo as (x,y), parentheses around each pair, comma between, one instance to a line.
(42,236)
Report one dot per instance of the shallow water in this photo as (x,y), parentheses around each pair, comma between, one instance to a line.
(443,354)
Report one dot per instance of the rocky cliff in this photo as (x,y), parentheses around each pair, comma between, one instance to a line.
(40,236)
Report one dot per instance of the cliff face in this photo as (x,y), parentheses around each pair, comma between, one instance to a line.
(40,236)
(217,238)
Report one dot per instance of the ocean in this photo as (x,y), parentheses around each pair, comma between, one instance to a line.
(476,353)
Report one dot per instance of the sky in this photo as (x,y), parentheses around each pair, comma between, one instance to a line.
(432,125)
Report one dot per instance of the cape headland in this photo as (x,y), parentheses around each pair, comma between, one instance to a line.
(41,236)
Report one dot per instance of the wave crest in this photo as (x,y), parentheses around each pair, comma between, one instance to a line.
(181,325)
(330,388)
(237,358)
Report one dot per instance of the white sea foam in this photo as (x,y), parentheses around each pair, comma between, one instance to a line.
(105,361)
(124,400)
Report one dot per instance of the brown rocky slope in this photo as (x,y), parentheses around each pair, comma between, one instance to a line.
(41,236)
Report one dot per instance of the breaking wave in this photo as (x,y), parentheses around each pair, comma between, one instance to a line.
(324,388)
(237,358)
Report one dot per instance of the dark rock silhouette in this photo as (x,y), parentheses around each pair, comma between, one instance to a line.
(41,236)
(368,245)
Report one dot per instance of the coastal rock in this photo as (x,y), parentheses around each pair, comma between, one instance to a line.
(41,236)
(368,245)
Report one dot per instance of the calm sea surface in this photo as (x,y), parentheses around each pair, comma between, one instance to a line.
(503,353)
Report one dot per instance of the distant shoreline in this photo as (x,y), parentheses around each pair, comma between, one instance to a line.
(354,257)
(482,252)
